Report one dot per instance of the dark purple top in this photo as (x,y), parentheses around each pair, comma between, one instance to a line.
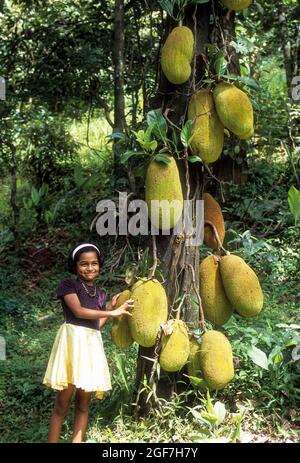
(97,302)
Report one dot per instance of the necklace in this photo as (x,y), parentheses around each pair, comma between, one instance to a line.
(87,291)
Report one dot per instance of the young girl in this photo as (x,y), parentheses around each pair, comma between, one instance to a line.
(77,360)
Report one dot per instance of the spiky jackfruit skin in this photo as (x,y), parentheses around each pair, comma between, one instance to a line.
(163,184)
(236,5)
(175,348)
(120,331)
(234,110)
(216,359)
(177,54)
(213,213)
(149,311)
(216,306)
(241,285)
(207,131)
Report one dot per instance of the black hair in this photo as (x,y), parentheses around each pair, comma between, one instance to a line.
(71,263)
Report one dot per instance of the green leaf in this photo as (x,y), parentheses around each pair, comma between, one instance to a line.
(35,196)
(258,357)
(195,158)
(167,5)
(294,202)
(78,177)
(120,362)
(162,158)
(128,154)
(186,133)
(156,120)
(220,412)
(209,417)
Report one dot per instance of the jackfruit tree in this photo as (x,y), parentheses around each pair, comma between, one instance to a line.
(198,99)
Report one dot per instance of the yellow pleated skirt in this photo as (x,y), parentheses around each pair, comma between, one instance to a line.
(77,357)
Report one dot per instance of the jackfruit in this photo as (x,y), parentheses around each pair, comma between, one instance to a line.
(175,348)
(216,359)
(212,213)
(149,311)
(217,308)
(207,131)
(177,54)
(163,194)
(241,286)
(234,109)
(236,5)
(120,331)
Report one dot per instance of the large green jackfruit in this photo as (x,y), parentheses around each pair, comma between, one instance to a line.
(213,214)
(120,331)
(236,5)
(216,359)
(177,54)
(175,348)
(234,109)
(216,306)
(149,311)
(163,185)
(207,131)
(241,285)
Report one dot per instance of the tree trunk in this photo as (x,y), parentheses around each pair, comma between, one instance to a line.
(286,47)
(175,256)
(119,98)
(119,52)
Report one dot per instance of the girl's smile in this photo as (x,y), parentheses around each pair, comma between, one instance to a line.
(88,266)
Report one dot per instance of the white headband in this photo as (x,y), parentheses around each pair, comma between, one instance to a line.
(83,246)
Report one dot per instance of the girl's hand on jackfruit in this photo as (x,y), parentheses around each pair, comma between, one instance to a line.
(122,310)
(114,300)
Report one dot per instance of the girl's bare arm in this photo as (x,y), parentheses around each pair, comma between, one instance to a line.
(74,305)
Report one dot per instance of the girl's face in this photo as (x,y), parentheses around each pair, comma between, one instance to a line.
(88,266)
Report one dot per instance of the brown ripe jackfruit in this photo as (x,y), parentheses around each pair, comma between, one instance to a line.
(177,54)
(241,285)
(163,194)
(175,348)
(213,214)
(216,359)
(149,311)
(236,5)
(120,331)
(207,131)
(216,306)
(234,109)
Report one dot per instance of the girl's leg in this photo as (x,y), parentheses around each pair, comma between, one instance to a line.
(82,402)
(61,406)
